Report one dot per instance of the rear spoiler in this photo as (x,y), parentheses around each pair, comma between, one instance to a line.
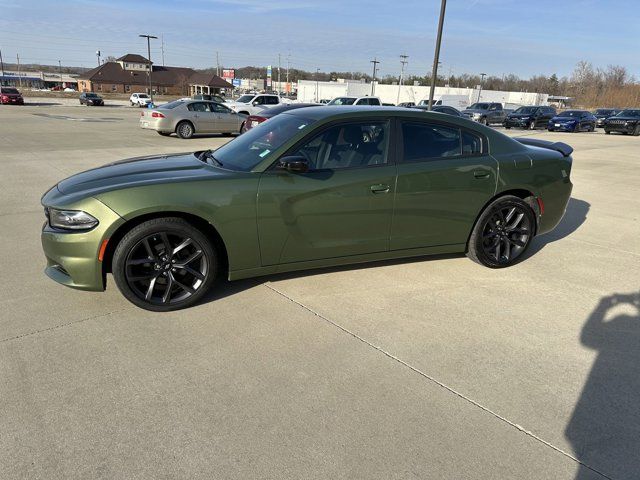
(563,148)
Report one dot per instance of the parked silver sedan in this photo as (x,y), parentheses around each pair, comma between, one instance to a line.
(188,117)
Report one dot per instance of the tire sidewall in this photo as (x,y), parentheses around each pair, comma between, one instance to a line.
(179,130)
(475,248)
(168,225)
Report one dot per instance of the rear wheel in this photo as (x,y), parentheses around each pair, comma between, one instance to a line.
(636,131)
(577,127)
(164,264)
(532,125)
(484,121)
(502,233)
(185,130)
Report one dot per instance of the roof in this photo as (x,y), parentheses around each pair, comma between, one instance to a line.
(112,72)
(133,58)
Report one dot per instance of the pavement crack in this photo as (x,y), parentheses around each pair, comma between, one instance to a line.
(62,325)
(432,379)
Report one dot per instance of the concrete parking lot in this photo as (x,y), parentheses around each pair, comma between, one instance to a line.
(426,368)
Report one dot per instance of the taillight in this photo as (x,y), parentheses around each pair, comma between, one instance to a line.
(255,120)
(540,205)
(157,115)
(4,98)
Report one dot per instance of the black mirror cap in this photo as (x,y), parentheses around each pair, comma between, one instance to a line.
(295,164)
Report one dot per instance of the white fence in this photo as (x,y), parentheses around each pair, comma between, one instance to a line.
(409,93)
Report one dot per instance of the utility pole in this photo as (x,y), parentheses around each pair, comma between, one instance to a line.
(403,61)
(162,46)
(279,83)
(373,80)
(1,67)
(98,55)
(482,75)
(60,71)
(149,37)
(317,71)
(217,63)
(436,56)
(288,73)
(19,76)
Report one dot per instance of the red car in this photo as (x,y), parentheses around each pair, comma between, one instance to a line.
(10,95)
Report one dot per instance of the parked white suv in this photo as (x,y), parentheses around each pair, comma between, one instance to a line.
(252,104)
(355,101)
(139,99)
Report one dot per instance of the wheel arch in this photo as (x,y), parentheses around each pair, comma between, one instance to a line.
(524,194)
(200,223)
(175,130)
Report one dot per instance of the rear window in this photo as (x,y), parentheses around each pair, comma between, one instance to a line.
(12,91)
(170,105)
(422,141)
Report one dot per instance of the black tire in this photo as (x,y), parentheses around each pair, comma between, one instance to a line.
(484,121)
(576,129)
(636,131)
(502,233)
(185,130)
(607,132)
(166,281)
(508,128)
(532,125)
(132,104)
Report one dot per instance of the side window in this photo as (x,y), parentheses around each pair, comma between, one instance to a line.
(216,107)
(374,101)
(198,107)
(348,146)
(258,101)
(471,144)
(272,100)
(363,101)
(424,141)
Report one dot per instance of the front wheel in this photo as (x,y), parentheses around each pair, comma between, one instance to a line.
(607,132)
(164,264)
(502,233)
(532,125)
(636,131)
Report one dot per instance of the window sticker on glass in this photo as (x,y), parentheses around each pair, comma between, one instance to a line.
(265,153)
(301,127)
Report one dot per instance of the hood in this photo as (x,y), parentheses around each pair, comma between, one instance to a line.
(560,118)
(11,95)
(138,171)
(474,110)
(626,118)
(520,115)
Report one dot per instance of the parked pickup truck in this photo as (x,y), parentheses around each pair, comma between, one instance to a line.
(252,104)
(486,113)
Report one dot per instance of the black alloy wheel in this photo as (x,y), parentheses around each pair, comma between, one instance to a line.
(503,233)
(164,264)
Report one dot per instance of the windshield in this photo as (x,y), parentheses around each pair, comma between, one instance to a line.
(571,113)
(143,95)
(527,110)
(91,95)
(342,101)
(479,106)
(13,91)
(629,113)
(602,111)
(170,105)
(245,98)
(246,151)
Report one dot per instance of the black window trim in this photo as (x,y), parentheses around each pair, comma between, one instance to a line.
(391,151)
(400,140)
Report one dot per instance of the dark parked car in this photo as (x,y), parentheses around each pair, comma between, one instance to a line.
(529,117)
(407,104)
(441,109)
(486,113)
(88,98)
(572,121)
(10,95)
(626,122)
(602,114)
(267,113)
(312,187)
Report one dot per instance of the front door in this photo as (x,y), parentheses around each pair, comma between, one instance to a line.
(226,119)
(445,176)
(342,206)
(202,117)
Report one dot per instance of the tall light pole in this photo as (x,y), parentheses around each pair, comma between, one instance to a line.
(149,37)
(403,61)
(279,82)
(317,93)
(60,71)
(373,80)
(288,87)
(436,56)
(482,75)
(98,55)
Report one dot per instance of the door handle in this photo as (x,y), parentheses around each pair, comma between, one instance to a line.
(380,188)
(481,174)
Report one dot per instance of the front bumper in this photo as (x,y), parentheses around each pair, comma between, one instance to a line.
(72,257)
(619,127)
(13,101)
(561,127)
(516,122)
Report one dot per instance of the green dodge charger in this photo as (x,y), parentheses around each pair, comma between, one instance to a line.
(313,187)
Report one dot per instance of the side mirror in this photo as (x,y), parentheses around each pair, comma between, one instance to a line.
(294,164)
(254,103)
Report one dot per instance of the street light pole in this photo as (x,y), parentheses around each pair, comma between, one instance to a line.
(373,80)
(482,75)
(317,93)
(436,56)
(149,37)
(60,71)
(403,61)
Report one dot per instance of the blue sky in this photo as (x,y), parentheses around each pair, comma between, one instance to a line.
(493,36)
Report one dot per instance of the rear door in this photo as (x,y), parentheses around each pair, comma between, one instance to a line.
(445,176)
(341,207)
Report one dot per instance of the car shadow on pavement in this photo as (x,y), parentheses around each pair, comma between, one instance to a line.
(604,430)
(574,216)
(42,104)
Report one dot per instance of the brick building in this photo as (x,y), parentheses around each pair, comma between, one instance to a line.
(130,74)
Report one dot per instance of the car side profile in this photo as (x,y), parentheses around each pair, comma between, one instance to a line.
(188,118)
(531,117)
(312,187)
(89,98)
(354,101)
(139,99)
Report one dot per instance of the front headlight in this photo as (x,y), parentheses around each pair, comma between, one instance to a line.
(70,219)
(476,115)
